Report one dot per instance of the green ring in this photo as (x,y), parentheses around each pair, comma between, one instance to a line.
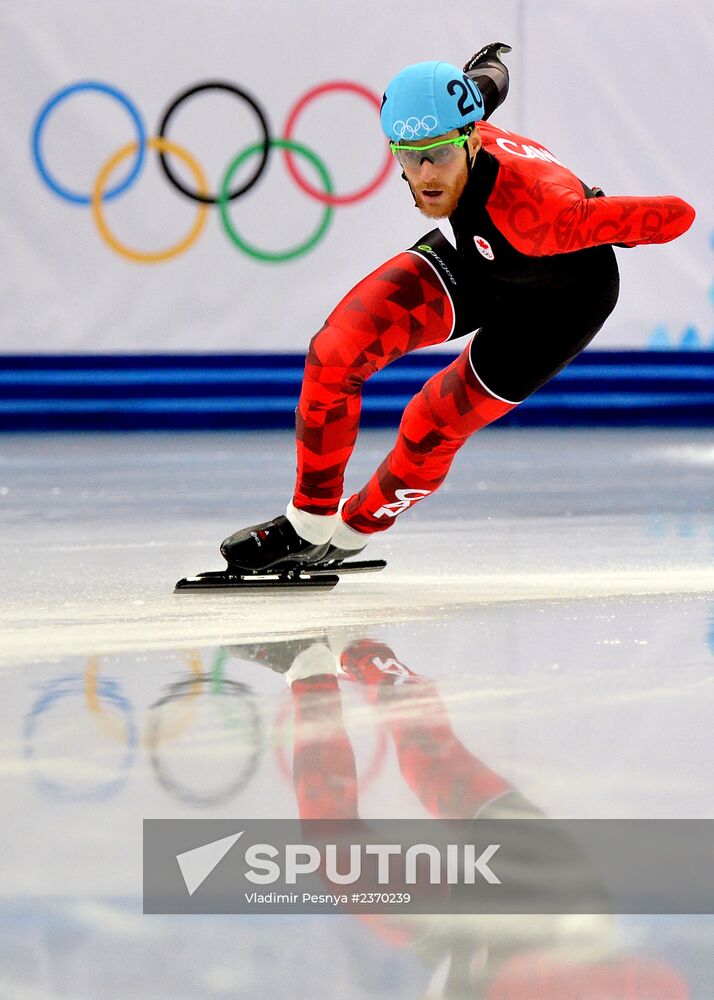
(217,671)
(267,255)
(217,677)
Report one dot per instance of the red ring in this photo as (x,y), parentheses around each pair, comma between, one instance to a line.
(333,199)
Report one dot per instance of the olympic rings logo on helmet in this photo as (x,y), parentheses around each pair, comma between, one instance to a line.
(102,191)
(415,128)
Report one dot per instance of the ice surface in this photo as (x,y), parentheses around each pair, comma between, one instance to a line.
(558,591)
(97,530)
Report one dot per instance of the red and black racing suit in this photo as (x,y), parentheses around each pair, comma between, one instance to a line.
(533,273)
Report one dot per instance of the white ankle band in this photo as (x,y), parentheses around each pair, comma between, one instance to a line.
(315,528)
(317,659)
(345,537)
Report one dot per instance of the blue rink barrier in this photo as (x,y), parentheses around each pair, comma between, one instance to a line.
(260,391)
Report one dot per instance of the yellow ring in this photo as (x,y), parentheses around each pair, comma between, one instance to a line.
(149,256)
(111,725)
(179,726)
(116,728)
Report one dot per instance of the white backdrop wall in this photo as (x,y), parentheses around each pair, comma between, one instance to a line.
(620,91)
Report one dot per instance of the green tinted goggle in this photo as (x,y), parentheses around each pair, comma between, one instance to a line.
(440,153)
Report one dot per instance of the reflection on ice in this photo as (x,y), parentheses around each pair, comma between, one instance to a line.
(205,738)
(96,763)
(542,638)
(336,724)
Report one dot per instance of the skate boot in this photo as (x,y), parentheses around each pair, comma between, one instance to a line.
(293,550)
(272,545)
(278,655)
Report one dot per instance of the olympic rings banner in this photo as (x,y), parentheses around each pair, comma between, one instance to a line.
(136,150)
(213,178)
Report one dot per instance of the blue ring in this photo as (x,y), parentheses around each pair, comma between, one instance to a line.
(104,88)
(54,692)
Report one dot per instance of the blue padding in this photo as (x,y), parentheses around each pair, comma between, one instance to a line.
(251,375)
(247,391)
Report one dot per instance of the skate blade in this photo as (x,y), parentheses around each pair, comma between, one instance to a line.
(224,581)
(325,576)
(349,566)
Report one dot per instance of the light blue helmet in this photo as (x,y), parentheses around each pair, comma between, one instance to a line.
(428,99)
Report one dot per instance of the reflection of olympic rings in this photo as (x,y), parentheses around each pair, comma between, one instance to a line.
(105,692)
(236,705)
(101,193)
(92,680)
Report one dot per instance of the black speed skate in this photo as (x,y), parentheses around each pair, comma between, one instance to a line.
(271,544)
(273,555)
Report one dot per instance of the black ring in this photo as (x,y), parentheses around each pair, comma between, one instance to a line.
(181,689)
(262,162)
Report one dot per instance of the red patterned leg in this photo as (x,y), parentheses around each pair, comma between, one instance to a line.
(324,771)
(437,422)
(399,307)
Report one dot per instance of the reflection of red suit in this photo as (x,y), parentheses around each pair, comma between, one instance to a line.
(451,783)
(528,977)
(448,780)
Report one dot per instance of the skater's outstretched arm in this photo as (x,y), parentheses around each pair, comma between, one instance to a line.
(490,74)
(543,209)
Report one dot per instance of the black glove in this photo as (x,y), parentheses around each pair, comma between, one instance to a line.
(489,53)
(490,75)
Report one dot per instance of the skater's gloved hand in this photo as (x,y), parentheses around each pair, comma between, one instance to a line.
(490,74)
(486,56)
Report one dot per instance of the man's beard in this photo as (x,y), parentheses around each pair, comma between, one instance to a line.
(441,208)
